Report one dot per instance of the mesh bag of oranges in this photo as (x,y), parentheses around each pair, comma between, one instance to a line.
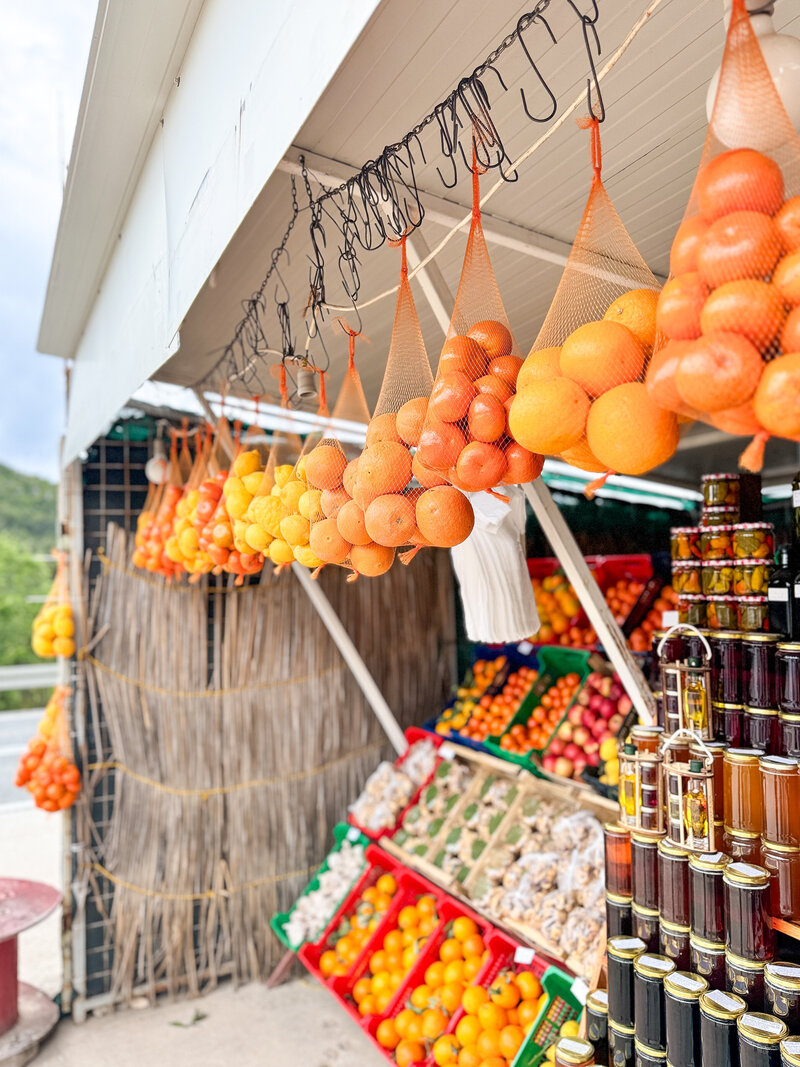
(54,626)
(149,551)
(465,436)
(580,392)
(729,315)
(46,768)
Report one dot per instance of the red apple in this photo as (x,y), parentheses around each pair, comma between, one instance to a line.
(564,731)
(574,714)
(588,718)
(615,722)
(549,763)
(593,759)
(580,736)
(571,751)
(564,767)
(595,702)
(590,746)
(608,708)
(599,729)
(556,747)
(580,763)
(624,704)
(604,736)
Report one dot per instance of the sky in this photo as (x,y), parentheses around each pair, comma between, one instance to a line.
(44,46)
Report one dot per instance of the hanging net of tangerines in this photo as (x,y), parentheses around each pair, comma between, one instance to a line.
(465,437)
(729,315)
(580,392)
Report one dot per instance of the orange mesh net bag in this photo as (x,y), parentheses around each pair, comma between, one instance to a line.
(729,315)
(465,437)
(397,500)
(580,392)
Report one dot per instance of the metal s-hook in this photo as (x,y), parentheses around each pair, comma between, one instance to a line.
(536,71)
(276,270)
(448,143)
(589,25)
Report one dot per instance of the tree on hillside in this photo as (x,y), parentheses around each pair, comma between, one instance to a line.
(27,509)
(20,576)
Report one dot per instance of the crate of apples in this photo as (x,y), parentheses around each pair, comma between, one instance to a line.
(592,722)
(493,713)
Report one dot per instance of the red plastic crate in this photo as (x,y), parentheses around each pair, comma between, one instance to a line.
(413,733)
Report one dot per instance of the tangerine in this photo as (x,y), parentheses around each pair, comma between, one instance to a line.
(740,421)
(492,1016)
(680,306)
(426,476)
(487,417)
(480,466)
(751,308)
(469,1057)
(465,354)
(743,244)
(444,516)
(386,1035)
(788,222)
(451,396)
(506,367)
(384,468)
(660,378)
(786,279)
(390,520)
(790,334)
(382,428)
(468,1030)
(777,400)
(402,1020)
(445,1050)
(440,445)
(636,310)
(452,992)
(495,385)
(541,363)
(408,1052)
(350,476)
(549,415)
(718,371)
(324,467)
(628,432)
(739,180)
(522,466)
(410,419)
(351,524)
(529,985)
(504,991)
(488,1043)
(371,560)
(465,927)
(527,1014)
(434,1023)
(685,245)
(511,1037)
(473,998)
(332,501)
(327,543)
(600,355)
(493,337)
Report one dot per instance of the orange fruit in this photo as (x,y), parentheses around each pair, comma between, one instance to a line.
(332,501)
(506,367)
(511,1037)
(465,354)
(327,543)
(471,968)
(384,468)
(522,466)
(718,371)
(386,1035)
(600,355)
(468,1029)
(790,334)
(777,400)
(387,883)
(402,1020)
(494,1061)
(382,428)
(504,991)
(368,1005)
(540,364)
(486,418)
(325,466)
(454,972)
(434,975)
(480,466)
(410,419)
(451,993)
(426,476)
(445,1050)
(463,928)
(350,475)
(450,949)
(409,1052)
(414,1028)
(390,520)
(494,385)
(581,456)
(529,985)
(444,516)
(786,279)
(743,244)
(549,415)
(526,1013)
(378,962)
(421,996)
(381,983)
(440,445)
(628,432)
(371,560)
(451,397)
(434,1023)
(473,999)
(685,245)
(427,924)
(493,337)
(361,989)
(393,942)
(327,963)
(740,421)
(492,1016)
(752,308)
(408,917)
(680,306)
(660,378)
(469,1057)
(488,1043)
(472,944)
(739,180)
(636,310)
(788,222)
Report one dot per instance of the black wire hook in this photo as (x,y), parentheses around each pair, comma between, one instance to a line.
(589,25)
(448,142)
(536,71)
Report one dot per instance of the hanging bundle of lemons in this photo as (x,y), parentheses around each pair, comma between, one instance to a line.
(54,626)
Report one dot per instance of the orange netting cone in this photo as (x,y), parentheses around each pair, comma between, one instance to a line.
(53,632)
(729,315)
(46,768)
(465,438)
(580,392)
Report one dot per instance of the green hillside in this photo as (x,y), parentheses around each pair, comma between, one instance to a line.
(27,510)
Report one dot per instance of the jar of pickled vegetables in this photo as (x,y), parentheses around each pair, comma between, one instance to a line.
(686,577)
(759,667)
(752,613)
(720,490)
(751,577)
(788,664)
(718,516)
(684,543)
(721,612)
(717,577)
(754,540)
(716,542)
(692,609)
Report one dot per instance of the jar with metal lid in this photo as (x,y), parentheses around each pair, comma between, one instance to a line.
(647,739)
(732,718)
(752,613)
(673,941)
(754,540)
(788,663)
(783,864)
(748,933)
(617,843)
(720,490)
(780,782)
(746,979)
(620,953)
(692,609)
(646,926)
(789,733)
(695,646)
(718,1034)
(649,972)
(726,667)
(760,670)
(574,1052)
(686,577)
(684,543)
(717,577)
(649,1057)
(596,1019)
(782,992)
(673,883)
(619,915)
(742,845)
(742,786)
(721,613)
(716,542)
(751,577)
(760,1036)
(644,870)
(620,1045)
(682,992)
(761,729)
(716,518)
(708,960)
(707,896)
(790,1052)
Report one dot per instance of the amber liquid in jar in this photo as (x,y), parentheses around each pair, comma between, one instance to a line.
(783,864)
(749,933)
(731,718)
(742,787)
(707,896)
(742,846)
(780,780)
(617,840)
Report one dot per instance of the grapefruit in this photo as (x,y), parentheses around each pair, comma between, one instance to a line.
(628,433)
(600,355)
(549,415)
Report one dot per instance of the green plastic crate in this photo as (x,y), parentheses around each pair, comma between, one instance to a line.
(554,662)
(341,832)
(561,1005)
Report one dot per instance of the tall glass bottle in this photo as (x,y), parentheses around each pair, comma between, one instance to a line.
(695,699)
(780,593)
(695,808)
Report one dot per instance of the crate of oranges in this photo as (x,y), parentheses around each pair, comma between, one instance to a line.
(345,939)
(484,678)
(562,673)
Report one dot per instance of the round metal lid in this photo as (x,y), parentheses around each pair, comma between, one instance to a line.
(625,948)
(746,874)
(784,975)
(685,985)
(597,1001)
(761,1028)
(574,1050)
(722,1005)
(709,861)
(652,965)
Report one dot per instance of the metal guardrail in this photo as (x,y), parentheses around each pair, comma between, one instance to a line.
(29,676)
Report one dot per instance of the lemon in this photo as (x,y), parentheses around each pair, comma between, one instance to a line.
(232,484)
(569,1029)
(280,552)
(309,504)
(257,539)
(246,463)
(290,495)
(189,541)
(273,515)
(252,482)
(550,1055)
(173,550)
(63,626)
(45,631)
(295,530)
(304,555)
(300,469)
(42,647)
(238,502)
(282,474)
(608,749)
(275,491)
(612,771)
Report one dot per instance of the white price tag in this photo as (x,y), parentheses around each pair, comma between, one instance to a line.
(524,647)
(796,498)
(797,591)
(522,954)
(580,990)
(669,618)
(353,834)
(446,751)
(778,594)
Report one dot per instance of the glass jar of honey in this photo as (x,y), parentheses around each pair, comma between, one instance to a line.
(788,662)
(790,1052)
(782,992)
(649,972)
(716,541)
(761,729)
(732,718)
(760,688)
(746,979)
(574,1052)
(780,781)
(621,952)
(707,896)
(673,941)
(718,1034)
(726,667)
(673,884)
(752,613)
(682,992)
(742,845)
(721,613)
(646,926)
(620,1045)
(596,1017)
(789,733)
(644,871)
(743,809)
(617,841)
(684,543)
(783,864)
(647,739)
(686,577)
(748,932)
(754,540)
(619,915)
(708,960)
(760,1036)
(692,609)
(720,490)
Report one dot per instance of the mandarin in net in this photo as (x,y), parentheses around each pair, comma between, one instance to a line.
(350,476)
(351,525)
(777,400)
(506,367)
(465,354)
(410,419)
(739,180)
(384,468)
(324,467)
(660,378)
(790,334)
(440,445)
(743,244)
(444,517)
(332,501)
(451,396)
(522,466)
(685,245)
(542,364)
(492,336)
(582,457)
(718,371)
(371,560)
(636,310)
(786,279)
(495,386)
(382,428)
(480,466)
(391,520)
(788,222)
(628,432)
(549,415)
(600,355)
(327,543)
(426,476)
(751,308)
(680,306)
(486,418)
(740,421)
